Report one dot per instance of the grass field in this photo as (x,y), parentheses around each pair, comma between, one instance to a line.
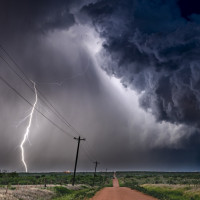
(83,193)
(31,186)
(174,192)
(52,178)
(164,186)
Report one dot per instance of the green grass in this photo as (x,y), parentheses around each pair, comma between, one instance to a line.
(60,191)
(85,191)
(52,178)
(65,194)
(172,192)
(184,178)
(150,183)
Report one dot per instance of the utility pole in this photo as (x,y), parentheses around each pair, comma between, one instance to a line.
(45,182)
(79,139)
(105,172)
(96,163)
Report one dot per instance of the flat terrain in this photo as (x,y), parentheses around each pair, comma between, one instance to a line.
(120,193)
(160,185)
(26,192)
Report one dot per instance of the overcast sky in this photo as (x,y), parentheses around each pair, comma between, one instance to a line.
(124,74)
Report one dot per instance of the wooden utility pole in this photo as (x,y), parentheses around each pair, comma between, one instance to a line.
(77,152)
(96,163)
(45,182)
(105,175)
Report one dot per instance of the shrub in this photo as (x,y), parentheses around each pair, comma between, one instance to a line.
(60,191)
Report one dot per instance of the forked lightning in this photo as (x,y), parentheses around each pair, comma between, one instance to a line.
(28,128)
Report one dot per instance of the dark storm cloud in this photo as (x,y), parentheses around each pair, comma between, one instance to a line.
(36,34)
(189,156)
(153,49)
(36,15)
(189,7)
(147,44)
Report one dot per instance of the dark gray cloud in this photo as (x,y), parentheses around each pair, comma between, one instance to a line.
(153,49)
(188,8)
(35,15)
(146,44)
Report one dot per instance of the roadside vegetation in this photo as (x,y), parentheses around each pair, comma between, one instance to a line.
(164,186)
(52,178)
(84,192)
(56,186)
(173,192)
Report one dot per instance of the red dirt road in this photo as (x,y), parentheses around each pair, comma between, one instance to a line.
(120,193)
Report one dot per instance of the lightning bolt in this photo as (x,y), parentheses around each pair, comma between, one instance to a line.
(28,128)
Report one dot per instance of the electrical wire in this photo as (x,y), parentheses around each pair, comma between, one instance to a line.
(44,99)
(20,95)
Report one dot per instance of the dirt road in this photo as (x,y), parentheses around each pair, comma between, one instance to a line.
(120,193)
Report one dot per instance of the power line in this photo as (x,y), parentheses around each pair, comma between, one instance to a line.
(10,67)
(20,95)
(9,56)
(90,149)
(59,116)
(42,96)
(87,154)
